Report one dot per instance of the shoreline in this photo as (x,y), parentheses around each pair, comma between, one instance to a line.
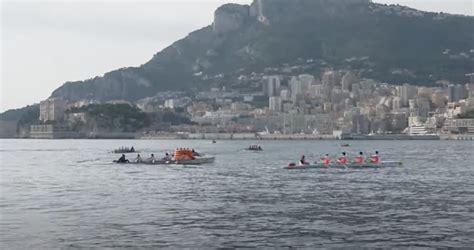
(269,137)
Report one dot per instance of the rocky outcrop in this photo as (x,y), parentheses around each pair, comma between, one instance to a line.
(230,17)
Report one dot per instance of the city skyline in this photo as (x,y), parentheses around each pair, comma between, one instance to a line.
(115,35)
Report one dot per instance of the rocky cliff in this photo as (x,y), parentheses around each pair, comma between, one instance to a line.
(272,32)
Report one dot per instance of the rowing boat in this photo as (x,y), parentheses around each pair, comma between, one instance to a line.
(384,164)
(124,151)
(254,150)
(197,161)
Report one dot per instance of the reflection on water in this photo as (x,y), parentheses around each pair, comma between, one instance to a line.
(67,193)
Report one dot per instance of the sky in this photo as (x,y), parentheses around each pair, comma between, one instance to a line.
(44,44)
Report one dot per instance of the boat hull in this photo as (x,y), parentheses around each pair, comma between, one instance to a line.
(198,161)
(385,164)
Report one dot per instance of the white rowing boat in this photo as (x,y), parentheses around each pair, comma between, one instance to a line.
(384,164)
(197,161)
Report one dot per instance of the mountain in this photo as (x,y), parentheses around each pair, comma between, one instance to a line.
(268,33)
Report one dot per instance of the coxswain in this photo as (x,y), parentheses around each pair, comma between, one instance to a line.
(303,161)
(343,159)
(326,160)
(375,159)
(195,153)
(360,159)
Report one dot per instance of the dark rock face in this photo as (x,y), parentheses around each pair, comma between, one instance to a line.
(230,17)
(272,32)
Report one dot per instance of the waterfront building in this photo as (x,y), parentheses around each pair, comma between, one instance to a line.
(239,106)
(52,131)
(459,126)
(52,109)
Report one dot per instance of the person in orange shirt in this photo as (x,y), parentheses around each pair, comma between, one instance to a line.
(375,159)
(326,160)
(343,159)
(360,159)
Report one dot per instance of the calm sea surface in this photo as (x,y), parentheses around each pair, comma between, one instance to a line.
(67,193)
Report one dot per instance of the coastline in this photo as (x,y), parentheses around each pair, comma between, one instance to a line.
(252,136)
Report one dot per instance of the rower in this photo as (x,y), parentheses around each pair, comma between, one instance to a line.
(360,159)
(375,159)
(326,160)
(343,159)
(167,157)
(122,159)
(138,159)
(132,149)
(303,161)
(151,159)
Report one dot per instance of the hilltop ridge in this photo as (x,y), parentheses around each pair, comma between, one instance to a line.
(269,33)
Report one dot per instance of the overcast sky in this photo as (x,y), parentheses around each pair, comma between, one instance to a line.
(44,44)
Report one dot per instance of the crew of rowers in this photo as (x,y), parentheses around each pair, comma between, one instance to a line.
(152,159)
(255,147)
(344,160)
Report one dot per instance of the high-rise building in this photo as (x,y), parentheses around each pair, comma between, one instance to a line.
(275,103)
(419,106)
(347,80)
(271,87)
(396,103)
(285,94)
(438,98)
(470,90)
(307,80)
(406,92)
(456,92)
(331,78)
(52,109)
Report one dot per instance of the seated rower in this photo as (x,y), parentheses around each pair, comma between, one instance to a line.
(360,159)
(151,159)
(343,159)
(303,161)
(167,157)
(122,159)
(326,160)
(138,159)
(132,149)
(375,159)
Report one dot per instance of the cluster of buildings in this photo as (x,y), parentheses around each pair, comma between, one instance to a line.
(335,103)
(338,103)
